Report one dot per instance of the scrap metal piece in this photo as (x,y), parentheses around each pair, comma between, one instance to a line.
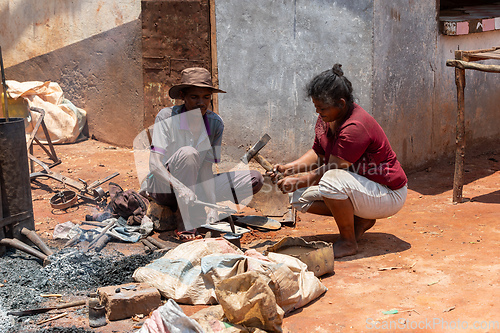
(63,199)
(43,310)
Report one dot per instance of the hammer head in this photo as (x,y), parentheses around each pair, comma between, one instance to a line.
(256,148)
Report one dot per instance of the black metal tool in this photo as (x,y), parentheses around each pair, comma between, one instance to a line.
(4,84)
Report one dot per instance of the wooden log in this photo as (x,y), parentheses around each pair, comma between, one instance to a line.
(471,65)
(458,179)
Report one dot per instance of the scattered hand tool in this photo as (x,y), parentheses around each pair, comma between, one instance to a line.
(156,242)
(94,241)
(148,244)
(261,222)
(43,310)
(68,198)
(221,209)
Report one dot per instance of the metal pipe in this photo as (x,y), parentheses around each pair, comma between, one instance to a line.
(156,242)
(32,236)
(101,243)
(17,244)
(112,223)
(148,244)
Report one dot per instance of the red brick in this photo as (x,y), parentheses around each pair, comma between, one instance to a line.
(128,303)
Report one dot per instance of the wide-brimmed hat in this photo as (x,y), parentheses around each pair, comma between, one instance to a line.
(193,77)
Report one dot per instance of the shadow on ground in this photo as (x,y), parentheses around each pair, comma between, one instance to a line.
(439,179)
(372,244)
(493,197)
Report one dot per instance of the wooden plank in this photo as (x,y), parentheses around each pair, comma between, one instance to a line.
(15,218)
(460,64)
(481,51)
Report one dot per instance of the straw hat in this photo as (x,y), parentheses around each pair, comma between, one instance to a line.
(193,77)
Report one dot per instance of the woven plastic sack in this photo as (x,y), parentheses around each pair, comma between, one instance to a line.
(248,300)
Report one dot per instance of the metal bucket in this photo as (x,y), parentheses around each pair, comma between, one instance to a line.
(15,186)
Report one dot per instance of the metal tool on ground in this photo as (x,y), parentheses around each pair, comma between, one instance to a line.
(148,244)
(101,234)
(225,227)
(261,222)
(157,243)
(32,236)
(68,198)
(4,85)
(224,209)
(47,309)
(17,244)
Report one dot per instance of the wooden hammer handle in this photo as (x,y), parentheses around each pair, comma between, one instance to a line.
(266,165)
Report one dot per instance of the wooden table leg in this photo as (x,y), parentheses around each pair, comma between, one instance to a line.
(458,179)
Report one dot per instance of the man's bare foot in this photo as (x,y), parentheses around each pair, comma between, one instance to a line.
(361,225)
(344,248)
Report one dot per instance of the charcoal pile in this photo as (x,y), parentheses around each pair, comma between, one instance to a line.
(71,273)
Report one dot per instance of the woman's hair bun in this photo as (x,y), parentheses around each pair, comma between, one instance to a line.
(337,69)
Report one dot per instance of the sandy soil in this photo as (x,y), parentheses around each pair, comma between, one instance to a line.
(434,262)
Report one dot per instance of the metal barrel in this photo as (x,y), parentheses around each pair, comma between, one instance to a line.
(15,178)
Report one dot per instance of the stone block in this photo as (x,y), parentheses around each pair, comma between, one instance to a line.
(131,299)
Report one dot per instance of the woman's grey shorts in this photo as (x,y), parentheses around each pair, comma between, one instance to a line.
(371,200)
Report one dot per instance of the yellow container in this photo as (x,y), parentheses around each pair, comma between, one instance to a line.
(17,107)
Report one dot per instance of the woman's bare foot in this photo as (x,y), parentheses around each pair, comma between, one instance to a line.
(361,225)
(344,248)
(187,235)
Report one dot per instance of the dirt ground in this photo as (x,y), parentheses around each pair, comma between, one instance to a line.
(435,262)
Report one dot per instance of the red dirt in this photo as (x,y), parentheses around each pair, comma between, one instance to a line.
(434,261)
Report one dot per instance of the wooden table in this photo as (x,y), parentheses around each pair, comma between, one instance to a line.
(465,60)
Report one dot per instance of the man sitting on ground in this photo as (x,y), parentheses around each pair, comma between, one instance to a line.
(186,142)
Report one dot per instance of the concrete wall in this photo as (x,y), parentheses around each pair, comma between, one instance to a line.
(91,48)
(268,51)
(482,100)
(392,52)
(405,37)
(414,92)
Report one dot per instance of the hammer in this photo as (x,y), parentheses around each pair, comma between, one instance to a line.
(254,153)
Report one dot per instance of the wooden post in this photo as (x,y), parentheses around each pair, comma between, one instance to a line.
(213,55)
(458,179)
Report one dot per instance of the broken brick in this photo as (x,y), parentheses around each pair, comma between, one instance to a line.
(133,299)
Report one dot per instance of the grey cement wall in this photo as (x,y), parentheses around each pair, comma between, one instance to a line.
(392,52)
(268,51)
(482,100)
(404,73)
(91,48)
